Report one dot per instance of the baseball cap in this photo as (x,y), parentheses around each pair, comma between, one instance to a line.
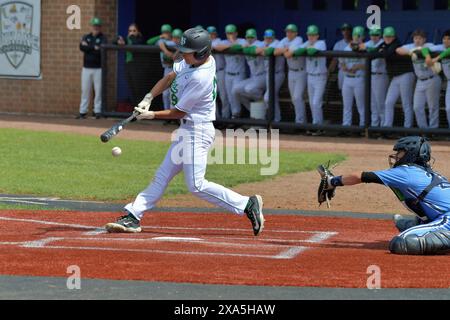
(346,26)
(375,31)
(291,27)
(211,29)
(269,33)
(389,32)
(312,30)
(166,28)
(177,33)
(358,31)
(251,33)
(231,28)
(96,21)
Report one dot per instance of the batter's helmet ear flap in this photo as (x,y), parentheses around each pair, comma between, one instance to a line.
(202,53)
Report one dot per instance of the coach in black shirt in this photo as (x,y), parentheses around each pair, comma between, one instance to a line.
(92,73)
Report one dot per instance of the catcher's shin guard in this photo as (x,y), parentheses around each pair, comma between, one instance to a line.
(429,244)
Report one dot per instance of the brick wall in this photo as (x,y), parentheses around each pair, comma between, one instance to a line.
(61,61)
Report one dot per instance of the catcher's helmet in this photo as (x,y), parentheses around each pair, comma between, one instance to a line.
(418,151)
(196,40)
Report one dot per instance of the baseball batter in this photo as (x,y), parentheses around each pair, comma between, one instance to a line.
(423,191)
(297,72)
(316,69)
(428,87)
(270,45)
(353,87)
(220,72)
(193,87)
(252,88)
(444,58)
(380,78)
(234,69)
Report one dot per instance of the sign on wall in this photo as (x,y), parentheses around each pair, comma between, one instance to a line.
(20,30)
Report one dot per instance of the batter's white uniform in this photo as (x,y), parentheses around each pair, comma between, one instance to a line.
(167,69)
(234,73)
(353,89)
(446,69)
(428,91)
(280,76)
(380,83)
(252,88)
(340,46)
(316,69)
(194,89)
(296,78)
(220,75)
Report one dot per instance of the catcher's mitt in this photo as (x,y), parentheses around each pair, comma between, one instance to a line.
(326,191)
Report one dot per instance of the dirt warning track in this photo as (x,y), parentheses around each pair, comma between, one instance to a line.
(213,248)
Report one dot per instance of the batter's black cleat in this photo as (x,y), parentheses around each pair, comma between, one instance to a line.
(81,116)
(125,224)
(254,213)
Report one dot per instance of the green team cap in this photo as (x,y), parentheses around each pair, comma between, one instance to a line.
(166,28)
(211,29)
(291,27)
(251,33)
(346,26)
(312,30)
(177,33)
(375,31)
(96,21)
(389,32)
(269,33)
(359,31)
(231,28)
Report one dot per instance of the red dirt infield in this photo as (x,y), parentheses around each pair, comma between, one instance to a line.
(214,248)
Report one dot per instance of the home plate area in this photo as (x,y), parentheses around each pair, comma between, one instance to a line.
(171,240)
(212,248)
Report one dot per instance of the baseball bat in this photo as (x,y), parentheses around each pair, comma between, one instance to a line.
(115,129)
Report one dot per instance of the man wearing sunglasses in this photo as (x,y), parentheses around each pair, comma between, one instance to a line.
(421,190)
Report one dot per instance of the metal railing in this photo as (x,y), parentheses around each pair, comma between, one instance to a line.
(111,61)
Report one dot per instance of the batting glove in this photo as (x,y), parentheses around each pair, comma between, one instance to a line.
(146,103)
(144,114)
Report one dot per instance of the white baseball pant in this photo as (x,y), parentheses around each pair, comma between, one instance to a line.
(250,89)
(316,89)
(297,87)
(353,89)
(401,86)
(380,83)
(427,92)
(91,77)
(279,80)
(188,153)
(447,102)
(226,109)
(166,93)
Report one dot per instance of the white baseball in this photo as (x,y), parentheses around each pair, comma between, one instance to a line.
(116,151)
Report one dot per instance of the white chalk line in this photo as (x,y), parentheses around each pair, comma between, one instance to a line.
(290,253)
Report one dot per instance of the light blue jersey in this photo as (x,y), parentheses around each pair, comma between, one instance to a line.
(408,182)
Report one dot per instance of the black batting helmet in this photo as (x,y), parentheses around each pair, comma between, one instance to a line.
(196,40)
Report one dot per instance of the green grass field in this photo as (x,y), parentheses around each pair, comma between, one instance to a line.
(72,166)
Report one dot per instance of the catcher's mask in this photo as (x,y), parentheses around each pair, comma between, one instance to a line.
(411,150)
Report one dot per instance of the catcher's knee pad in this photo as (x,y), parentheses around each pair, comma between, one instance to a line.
(428,244)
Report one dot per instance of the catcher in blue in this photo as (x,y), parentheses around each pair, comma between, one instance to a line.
(423,191)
